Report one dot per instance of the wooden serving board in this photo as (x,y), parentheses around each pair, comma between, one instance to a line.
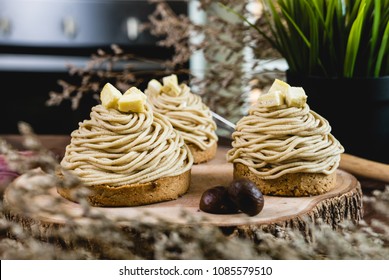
(344,202)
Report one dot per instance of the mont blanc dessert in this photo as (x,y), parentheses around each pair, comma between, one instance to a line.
(188,115)
(284,147)
(126,154)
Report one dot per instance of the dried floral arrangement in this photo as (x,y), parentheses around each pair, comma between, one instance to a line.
(232,52)
(101,69)
(96,236)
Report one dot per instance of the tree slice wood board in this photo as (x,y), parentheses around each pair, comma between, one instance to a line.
(341,203)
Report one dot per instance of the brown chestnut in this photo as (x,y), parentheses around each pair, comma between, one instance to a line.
(247,197)
(216,201)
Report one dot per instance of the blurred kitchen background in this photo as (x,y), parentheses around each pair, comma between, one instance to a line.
(39,38)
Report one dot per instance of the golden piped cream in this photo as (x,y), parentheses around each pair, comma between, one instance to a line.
(116,148)
(273,141)
(185,110)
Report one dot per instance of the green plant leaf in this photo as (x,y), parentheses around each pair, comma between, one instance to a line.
(329,18)
(319,8)
(353,42)
(375,31)
(382,50)
(287,46)
(313,35)
(328,37)
(297,28)
(354,9)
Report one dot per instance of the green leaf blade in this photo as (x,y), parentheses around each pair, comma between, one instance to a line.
(382,50)
(353,43)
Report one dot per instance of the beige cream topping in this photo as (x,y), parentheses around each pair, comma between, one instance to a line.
(273,141)
(185,110)
(116,148)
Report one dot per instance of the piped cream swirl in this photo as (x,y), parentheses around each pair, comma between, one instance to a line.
(279,140)
(188,114)
(115,148)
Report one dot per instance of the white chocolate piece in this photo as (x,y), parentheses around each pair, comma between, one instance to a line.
(279,86)
(170,79)
(133,100)
(134,91)
(109,96)
(170,85)
(154,87)
(271,99)
(295,97)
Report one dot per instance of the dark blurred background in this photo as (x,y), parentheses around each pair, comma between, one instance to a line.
(39,38)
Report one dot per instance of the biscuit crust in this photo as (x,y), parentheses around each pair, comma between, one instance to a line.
(162,189)
(200,156)
(294,184)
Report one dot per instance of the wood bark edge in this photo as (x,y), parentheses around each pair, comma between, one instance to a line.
(332,211)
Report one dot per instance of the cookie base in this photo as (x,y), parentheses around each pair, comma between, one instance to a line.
(163,189)
(200,156)
(294,184)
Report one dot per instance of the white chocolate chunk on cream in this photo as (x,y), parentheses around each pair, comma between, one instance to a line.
(154,87)
(295,97)
(170,85)
(133,100)
(281,93)
(134,91)
(279,86)
(109,96)
(170,79)
(271,99)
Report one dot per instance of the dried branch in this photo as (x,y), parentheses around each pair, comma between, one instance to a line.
(223,42)
(117,67)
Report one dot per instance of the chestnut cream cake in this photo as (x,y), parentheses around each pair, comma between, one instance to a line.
(126,154)
(188,115)
(284,147)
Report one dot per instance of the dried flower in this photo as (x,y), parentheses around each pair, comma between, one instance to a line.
(229,67)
